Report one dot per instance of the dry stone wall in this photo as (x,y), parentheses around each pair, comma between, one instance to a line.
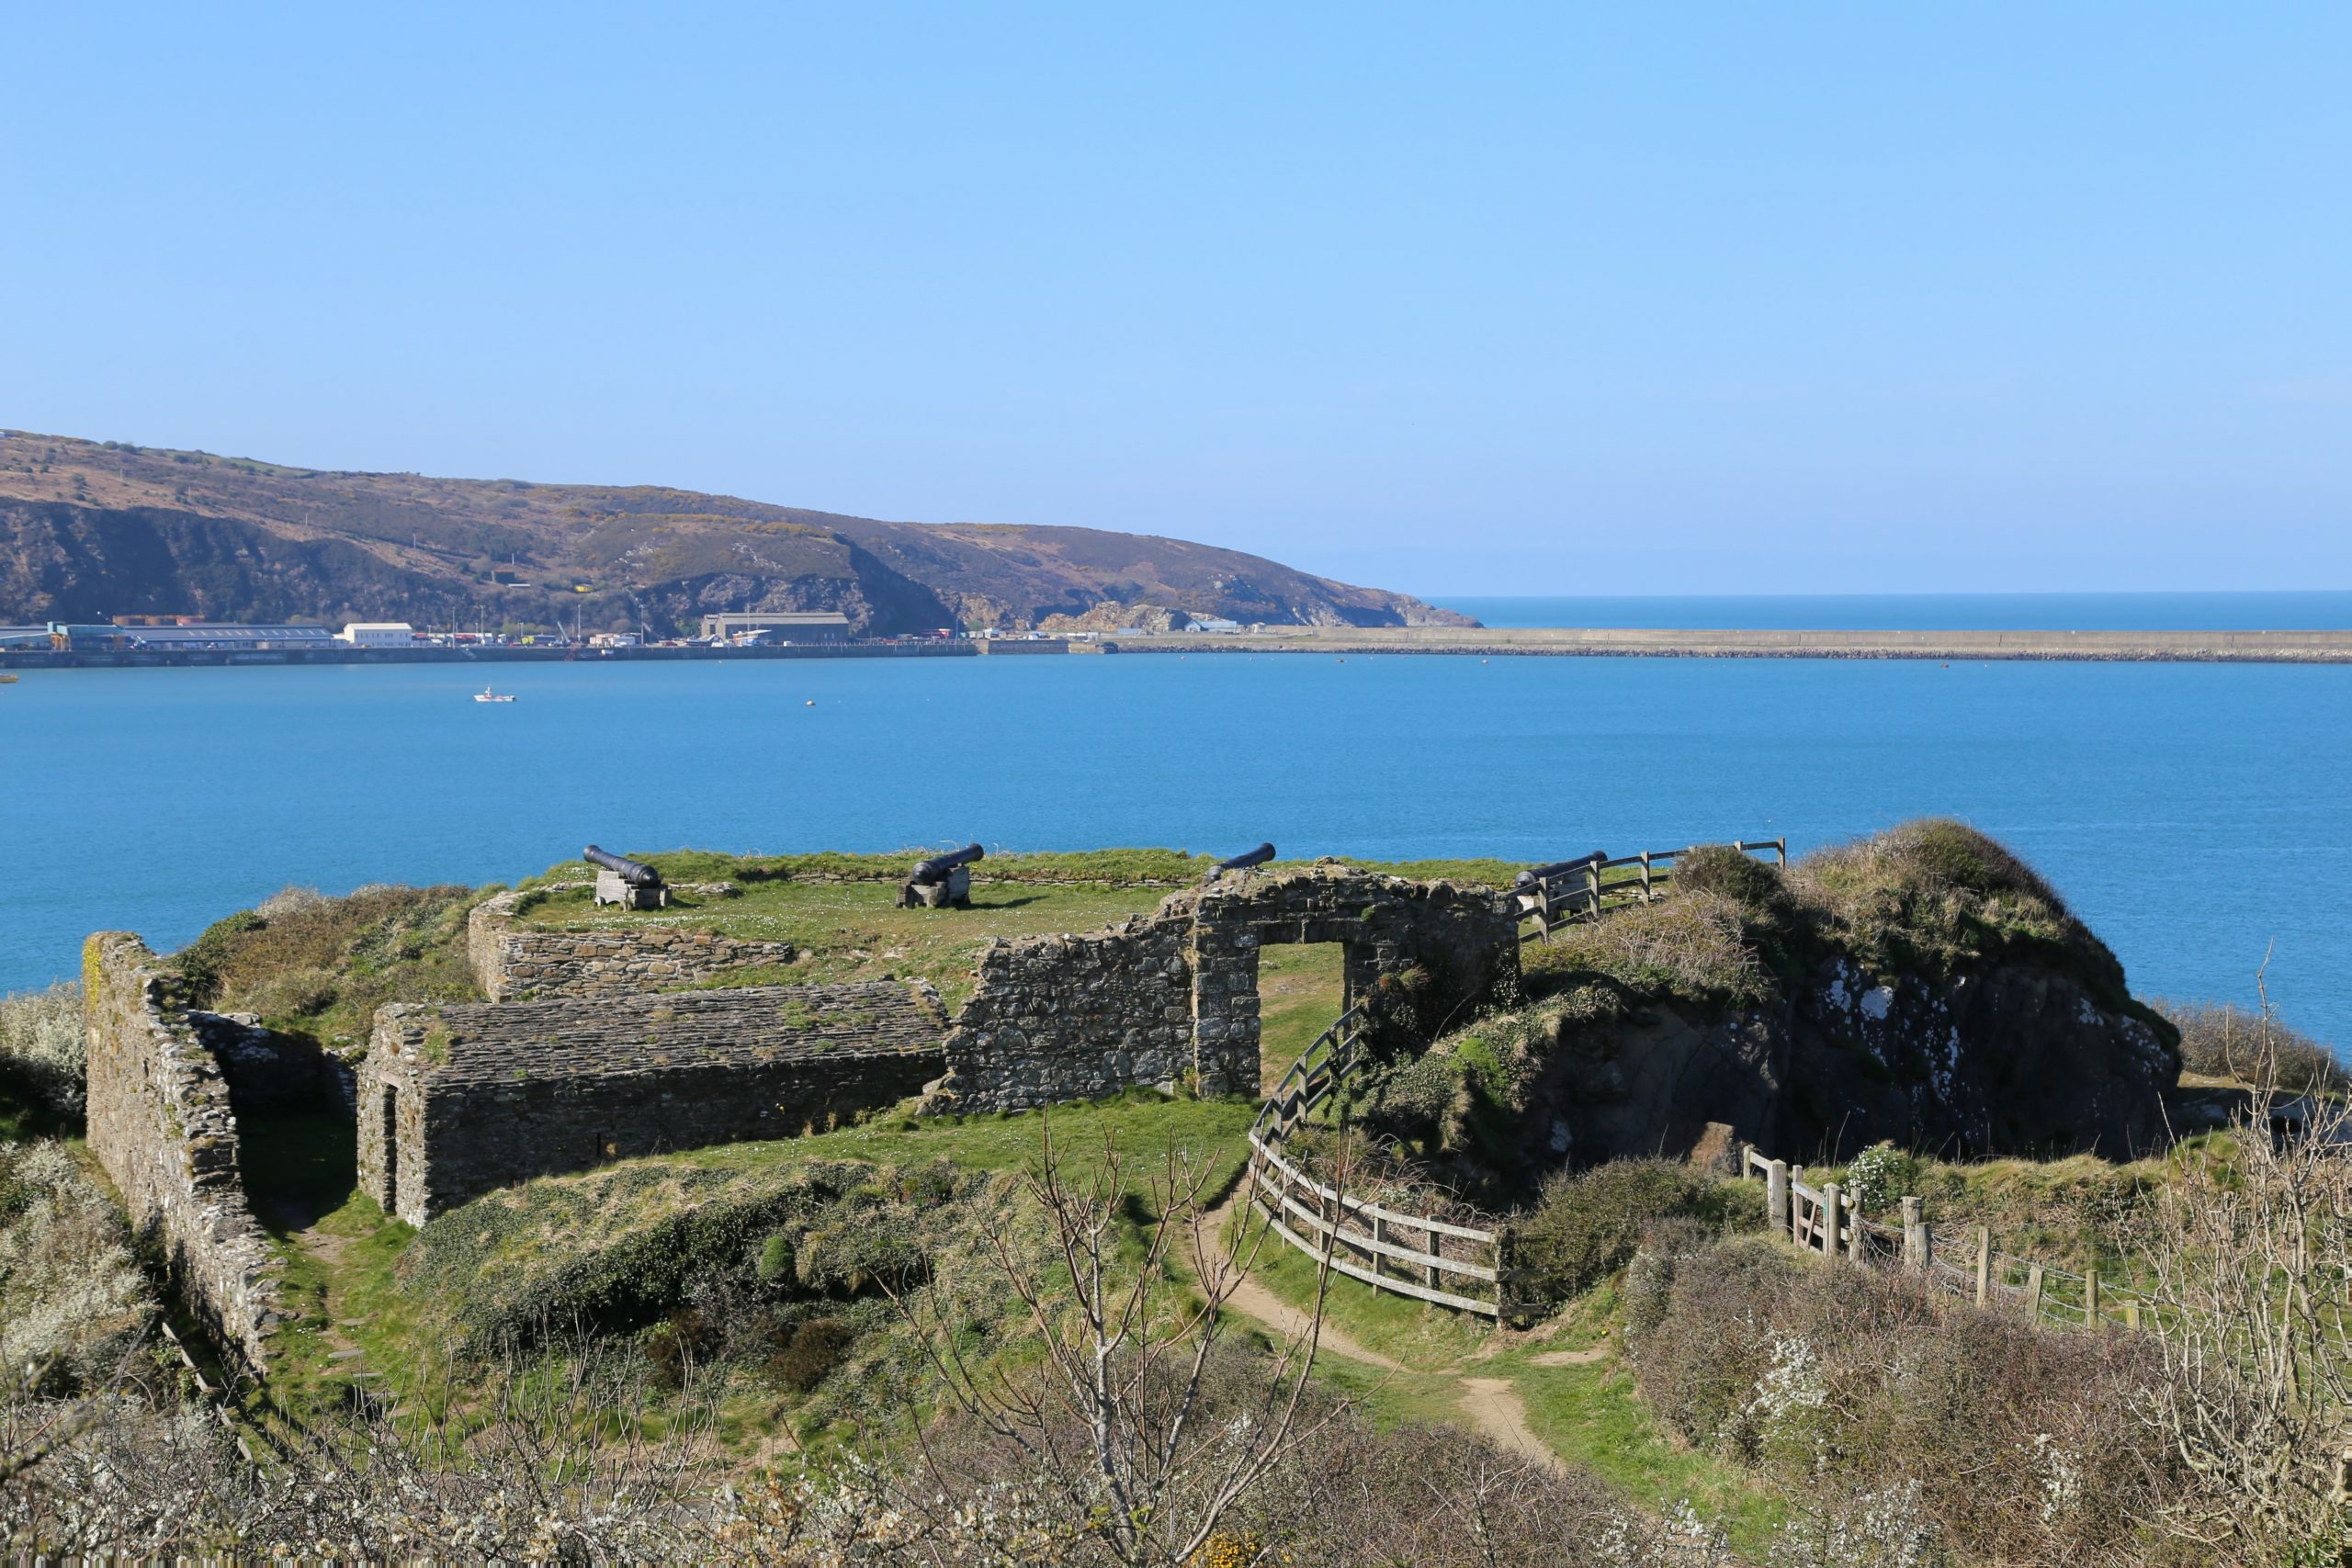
(1076,1018)
(456,1101)
(159,1122)
(512,961)
(1173,997)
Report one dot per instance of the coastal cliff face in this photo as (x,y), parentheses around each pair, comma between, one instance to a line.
(1922,987)
(89,530)
(2006,1060)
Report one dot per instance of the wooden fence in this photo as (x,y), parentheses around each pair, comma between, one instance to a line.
(1431,1260)
(1584,890)
(1827,1221)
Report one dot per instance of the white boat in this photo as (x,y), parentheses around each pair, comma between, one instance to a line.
(487,696)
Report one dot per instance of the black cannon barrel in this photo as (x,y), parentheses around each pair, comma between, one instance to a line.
(636,873)
(1557,868)
(1247,857)
(932,872)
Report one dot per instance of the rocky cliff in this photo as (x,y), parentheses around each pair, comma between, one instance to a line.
(91,529)
(1923,987)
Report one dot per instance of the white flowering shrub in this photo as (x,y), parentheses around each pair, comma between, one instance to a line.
(1879,1175)
(42,1047)
(73,1301)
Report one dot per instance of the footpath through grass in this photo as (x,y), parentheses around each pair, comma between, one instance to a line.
(1585,1411)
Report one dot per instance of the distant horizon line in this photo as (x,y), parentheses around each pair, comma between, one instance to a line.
(1434,596)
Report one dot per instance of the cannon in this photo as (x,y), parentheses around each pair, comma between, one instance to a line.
(632,884)
(1243,861)
(1563,890)
(1533,874)
(941,881)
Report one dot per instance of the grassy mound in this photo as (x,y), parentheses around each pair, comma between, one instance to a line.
(320,967)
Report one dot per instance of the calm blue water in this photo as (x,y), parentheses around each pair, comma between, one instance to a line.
(1930,611)
(2196,815)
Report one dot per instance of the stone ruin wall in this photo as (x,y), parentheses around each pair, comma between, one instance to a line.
(1077,1018)
(1173,997)
(159,1122)
(456,1101)
(511,960)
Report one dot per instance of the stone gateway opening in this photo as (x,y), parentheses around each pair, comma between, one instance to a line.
(1174,998)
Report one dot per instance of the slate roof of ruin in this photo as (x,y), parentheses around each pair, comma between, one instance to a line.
(669,1031)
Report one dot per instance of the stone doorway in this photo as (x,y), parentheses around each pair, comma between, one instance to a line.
(1302,986)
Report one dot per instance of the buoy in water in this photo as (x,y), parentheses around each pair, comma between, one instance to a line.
(810,703)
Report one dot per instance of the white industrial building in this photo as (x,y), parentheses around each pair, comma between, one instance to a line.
(378,634)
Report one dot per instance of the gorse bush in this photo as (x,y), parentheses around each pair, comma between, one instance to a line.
(44,1054)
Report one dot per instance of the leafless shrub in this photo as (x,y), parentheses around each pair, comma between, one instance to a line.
(550,1464)
(73,1301)
(1115,1453)
(2250,1249)
(2225,1040)
(1902,1416)
(43,1046)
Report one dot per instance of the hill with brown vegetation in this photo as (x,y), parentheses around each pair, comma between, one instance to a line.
(91,529)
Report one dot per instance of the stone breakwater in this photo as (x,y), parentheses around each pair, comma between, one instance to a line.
(159,1122)
(2325,647)
(512,960)
(459,1101)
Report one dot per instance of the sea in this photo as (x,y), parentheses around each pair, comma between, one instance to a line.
(2196,816)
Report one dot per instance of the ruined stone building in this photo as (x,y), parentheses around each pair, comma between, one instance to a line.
(455,1101)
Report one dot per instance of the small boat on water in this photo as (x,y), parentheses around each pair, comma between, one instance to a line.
(487,696)
(7,680)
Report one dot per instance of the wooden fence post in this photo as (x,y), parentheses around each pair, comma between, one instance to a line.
(2132,1316)
(1379,1235)
(2033,1293)
(1915,1241)
(1984,1264)
(1647,892)
(1776,1194)
(1854,1241)
(1506,1261)
(1831,1206)
(2091,1299)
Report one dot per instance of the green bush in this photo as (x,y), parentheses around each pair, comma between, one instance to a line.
(1741,878)
(1879,1175)
(815,1348)
(1588,1225)
(863,1250)
(775,1265)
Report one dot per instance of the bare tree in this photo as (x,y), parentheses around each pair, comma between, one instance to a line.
(2250,1251)
(1127,1298)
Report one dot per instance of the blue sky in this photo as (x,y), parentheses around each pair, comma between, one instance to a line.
(1453,299)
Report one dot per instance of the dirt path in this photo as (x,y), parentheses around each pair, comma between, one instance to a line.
(1495,1408)
(1492,1404)
(1252,1300)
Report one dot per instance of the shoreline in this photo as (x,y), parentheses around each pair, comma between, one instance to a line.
(2321,647)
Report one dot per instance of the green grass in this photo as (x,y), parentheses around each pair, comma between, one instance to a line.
(853,931)
(338,1251)
(1142,1123)
(1299,992)
(1424,1337)
(1593,1416)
